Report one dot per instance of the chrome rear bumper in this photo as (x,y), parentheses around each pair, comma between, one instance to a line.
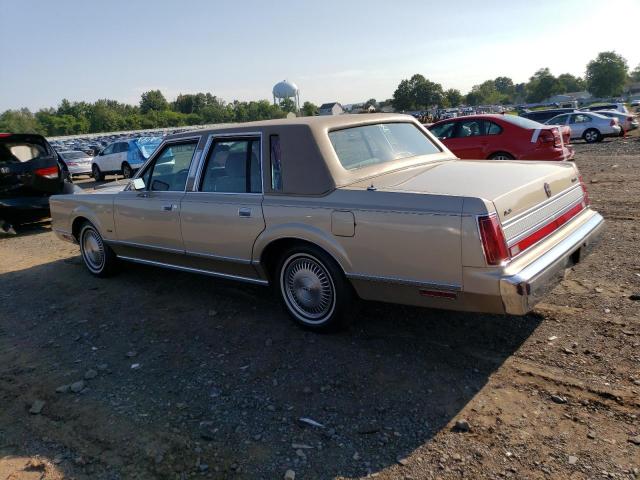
(520,292)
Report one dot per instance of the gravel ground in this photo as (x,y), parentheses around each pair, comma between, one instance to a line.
(161,374)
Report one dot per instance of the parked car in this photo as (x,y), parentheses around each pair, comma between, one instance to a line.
(635,103)
(503,137)
(123,157)
(620,107)
(626,121)
(327,207)
(589,126)
(543,115)
(29,174)
(75,162)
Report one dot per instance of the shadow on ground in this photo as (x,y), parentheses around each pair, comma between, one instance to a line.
(192,371)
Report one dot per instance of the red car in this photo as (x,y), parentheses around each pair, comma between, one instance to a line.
(503,137)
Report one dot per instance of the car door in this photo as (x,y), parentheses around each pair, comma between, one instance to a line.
(147,221)
(579,122)
(469,140)
(102,160)
(222,217)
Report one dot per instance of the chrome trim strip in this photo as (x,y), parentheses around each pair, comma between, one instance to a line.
(406,281)
(145,246)
(539,206)
(544,222)
(219,257)
(195,270)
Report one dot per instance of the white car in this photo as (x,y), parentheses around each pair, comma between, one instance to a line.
(75,162)
(621,107)
(123,157)
(590,126)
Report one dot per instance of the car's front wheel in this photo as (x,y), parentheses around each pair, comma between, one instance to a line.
(313,289)
(592,136)
(501,156)
(98,257)
(127,171)
(97,175)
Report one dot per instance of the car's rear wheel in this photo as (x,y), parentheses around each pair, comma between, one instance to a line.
(97,175)
(127,171)
(98,257)
(313,288)
(592,136)
(501,156)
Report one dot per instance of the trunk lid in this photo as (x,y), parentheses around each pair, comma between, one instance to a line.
(513,187)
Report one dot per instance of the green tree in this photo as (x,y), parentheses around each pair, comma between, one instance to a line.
(288,105)
(606,74)
(542,85)
(635,74)
(403,97)
(416,93)
(571,83)
(504,85)
(309,109)
(372,102)
(453,97)
(20,121)
(153,100)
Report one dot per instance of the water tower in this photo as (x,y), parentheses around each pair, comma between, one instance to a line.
(286,89)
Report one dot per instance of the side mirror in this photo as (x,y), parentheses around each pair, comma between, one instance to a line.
(137,184)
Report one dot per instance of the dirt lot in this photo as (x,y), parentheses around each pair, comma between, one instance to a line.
(180,376)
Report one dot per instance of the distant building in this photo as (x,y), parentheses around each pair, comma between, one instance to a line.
(633,90)
(333,108)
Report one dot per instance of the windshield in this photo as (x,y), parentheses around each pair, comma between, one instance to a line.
(148,145)
(521,121)
(368,145)
(74,155)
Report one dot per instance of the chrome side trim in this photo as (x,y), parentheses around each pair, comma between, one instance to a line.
(227,276)
(145,246)
(243,261)
(540,206)
(405,281)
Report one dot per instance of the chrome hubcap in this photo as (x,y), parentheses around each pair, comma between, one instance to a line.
(591,136)
(308,288)
(92,250)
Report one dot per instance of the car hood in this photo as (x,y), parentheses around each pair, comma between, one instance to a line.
(512,186)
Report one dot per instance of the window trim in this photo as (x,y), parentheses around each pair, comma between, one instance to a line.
(204,158)
(151,161)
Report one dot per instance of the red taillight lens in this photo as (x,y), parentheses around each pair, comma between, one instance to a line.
(550,136)
(493,242)
(47,172)
(585,194)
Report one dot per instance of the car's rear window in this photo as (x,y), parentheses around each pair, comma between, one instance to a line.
(15,151)
(521,121)
(359,147)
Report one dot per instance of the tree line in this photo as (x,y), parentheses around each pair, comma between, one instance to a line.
(605,76)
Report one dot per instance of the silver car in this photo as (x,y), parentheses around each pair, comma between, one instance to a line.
(591,127)
(627,121)
(75,162)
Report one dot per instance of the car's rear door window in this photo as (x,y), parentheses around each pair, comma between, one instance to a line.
(493,128)
(444,130)
(233,166)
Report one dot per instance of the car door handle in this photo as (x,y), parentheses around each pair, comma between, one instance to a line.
(244,212)
(169,208)
(143,195)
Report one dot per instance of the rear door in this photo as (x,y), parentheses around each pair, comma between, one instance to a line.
(469,140)
(102,160)
(222,217)
(579,123)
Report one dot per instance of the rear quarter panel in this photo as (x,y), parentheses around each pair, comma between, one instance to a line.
(96,208)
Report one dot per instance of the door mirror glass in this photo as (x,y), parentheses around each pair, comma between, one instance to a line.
(137,184)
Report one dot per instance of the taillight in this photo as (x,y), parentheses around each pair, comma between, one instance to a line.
(493,242)
(550,136)
(47,172)
(585,194)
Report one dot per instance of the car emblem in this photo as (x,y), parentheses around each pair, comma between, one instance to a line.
(547,189)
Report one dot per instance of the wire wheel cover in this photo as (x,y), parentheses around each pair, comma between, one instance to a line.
(92,249)
(308,288)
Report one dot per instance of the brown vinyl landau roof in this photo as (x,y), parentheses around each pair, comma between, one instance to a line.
(309,163)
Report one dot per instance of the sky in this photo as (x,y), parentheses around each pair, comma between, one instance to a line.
(334,50)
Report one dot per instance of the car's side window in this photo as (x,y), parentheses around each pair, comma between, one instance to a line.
(108,150)
(170,168)
(124,147)
(276,163)
(233,166)
(493,128)
(444,131)
(470,128)
(580,118)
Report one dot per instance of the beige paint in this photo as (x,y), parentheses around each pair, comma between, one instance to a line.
(395,229)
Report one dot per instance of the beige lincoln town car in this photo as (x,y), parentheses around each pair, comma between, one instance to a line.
(329,208)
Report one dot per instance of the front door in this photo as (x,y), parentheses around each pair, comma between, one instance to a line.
(222,218)
(148,221)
